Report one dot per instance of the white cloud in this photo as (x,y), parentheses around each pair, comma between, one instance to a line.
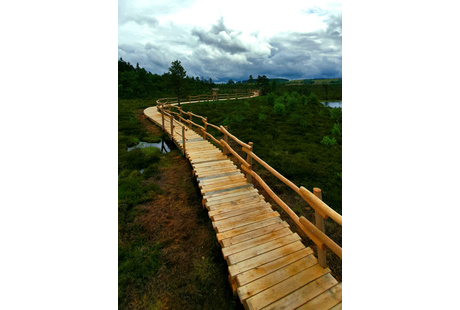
(234,39)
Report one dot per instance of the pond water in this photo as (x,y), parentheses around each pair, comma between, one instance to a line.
(333,104)
(163,146)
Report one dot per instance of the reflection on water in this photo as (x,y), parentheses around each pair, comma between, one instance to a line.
(333,104)
(161,145)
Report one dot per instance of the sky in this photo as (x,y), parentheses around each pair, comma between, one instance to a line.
(226,40)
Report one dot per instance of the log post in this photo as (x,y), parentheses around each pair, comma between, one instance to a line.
(190,124)
(249,161)
(183,140)
(224,150)
(205,121)
(171,119)
(319,223)
(162,120)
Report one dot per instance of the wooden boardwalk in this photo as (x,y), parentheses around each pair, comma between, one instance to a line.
(269,268)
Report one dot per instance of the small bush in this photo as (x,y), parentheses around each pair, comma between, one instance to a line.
(336,113)
(328,141)
(271,99)
(312,99)
(247,105)
(336,130)
(262,117)
(279,109)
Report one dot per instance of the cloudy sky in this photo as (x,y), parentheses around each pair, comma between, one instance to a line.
(233,39)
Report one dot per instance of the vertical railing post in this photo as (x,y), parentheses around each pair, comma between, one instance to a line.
(319,223)
(205,122)
(171,119)
(226,140)
(183,140)
(190,124)
(249,161)
(162,119)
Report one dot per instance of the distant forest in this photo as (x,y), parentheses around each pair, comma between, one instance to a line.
(136,83)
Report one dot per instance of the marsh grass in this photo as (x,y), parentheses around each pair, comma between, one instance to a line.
(163,231)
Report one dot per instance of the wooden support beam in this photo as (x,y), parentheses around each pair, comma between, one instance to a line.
(319,223)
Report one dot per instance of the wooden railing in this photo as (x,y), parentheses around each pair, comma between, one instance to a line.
(316,232)
(207,98)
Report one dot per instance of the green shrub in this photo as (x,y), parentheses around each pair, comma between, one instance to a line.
(312,99)
(279,109)
(336,130)
(336,113)
(271,99)
(328,141)
(247,106)
(262,117)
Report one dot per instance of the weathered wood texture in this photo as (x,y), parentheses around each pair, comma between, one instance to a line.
(269,267)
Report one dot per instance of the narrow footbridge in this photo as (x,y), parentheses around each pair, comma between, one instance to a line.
(269,267)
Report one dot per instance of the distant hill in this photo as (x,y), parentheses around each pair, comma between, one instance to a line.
(278,80)
(315,81)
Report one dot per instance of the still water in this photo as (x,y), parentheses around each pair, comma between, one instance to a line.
(333,104)
(164,148)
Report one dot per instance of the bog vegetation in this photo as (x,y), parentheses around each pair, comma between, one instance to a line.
(168,253)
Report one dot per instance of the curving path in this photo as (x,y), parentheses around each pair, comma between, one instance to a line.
(269,267)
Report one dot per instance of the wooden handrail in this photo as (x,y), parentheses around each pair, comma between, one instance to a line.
(225,131)
(285,207)
(321,236)
(223,143)
(322,210)
(318,204)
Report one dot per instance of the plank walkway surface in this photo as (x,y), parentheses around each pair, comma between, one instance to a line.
(269,268)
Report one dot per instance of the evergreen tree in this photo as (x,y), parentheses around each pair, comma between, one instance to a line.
(177,75)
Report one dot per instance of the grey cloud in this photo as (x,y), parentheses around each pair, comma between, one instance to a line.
(315,10)
(220,37)
(221,53)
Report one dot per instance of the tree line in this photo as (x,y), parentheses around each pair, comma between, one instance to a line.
(136,82)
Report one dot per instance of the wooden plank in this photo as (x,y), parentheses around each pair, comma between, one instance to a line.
(208,161)
(222,179)
(239,218)
(247,221)
(214,169)
(265,258)
(260,249)
(216,162)
(225,188)
(231,195)
(326,300)
(220,175)
(214,165)
(338,307)
(201,172)
(217,184)
(201,151)
(247,228)
(243,209)
(251,198)
(239,247)
(297,298)
(236,207)
(304,286)
(203,154)
(218,198)
(261,271)
(269,280)
(254,234)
